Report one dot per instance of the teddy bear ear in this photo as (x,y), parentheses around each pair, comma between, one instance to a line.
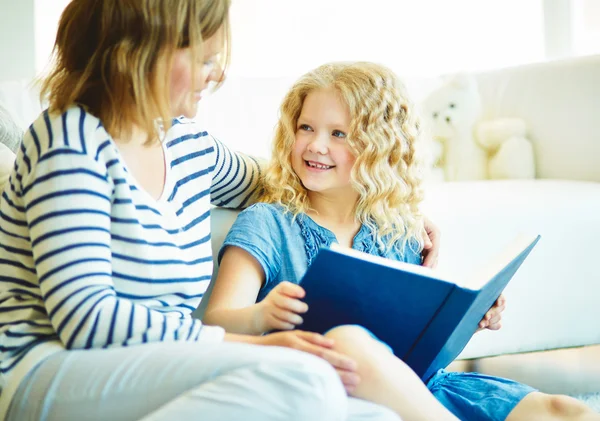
(464,81)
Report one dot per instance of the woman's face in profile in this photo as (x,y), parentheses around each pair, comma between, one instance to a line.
(187,83)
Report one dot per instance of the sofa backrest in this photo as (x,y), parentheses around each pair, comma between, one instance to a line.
(560,102)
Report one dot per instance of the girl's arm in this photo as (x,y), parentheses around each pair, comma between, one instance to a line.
(232,302)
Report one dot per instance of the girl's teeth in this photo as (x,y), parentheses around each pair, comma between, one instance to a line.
(319,166)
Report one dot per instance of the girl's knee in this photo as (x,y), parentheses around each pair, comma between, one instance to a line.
(556,407)
(353,338)
(564,406)
(348,332)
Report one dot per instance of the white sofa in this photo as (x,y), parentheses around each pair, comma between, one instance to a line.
(554,300)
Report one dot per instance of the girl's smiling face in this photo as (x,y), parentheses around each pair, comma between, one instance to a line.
(321,156)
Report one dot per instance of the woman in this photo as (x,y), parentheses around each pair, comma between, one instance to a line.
(105,239)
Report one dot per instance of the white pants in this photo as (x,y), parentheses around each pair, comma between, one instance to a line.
(188,381)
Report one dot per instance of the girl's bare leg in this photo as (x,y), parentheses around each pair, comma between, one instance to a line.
(540,406)
(387,380)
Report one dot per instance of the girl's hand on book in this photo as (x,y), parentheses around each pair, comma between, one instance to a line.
(281,308)
(493,318)
(318,345)
(431,249)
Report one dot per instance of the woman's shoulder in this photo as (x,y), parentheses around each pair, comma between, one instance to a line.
(185,132)
(75,130)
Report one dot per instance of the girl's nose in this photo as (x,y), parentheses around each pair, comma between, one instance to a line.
(318,145)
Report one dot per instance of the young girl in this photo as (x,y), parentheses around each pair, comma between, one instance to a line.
(346,168)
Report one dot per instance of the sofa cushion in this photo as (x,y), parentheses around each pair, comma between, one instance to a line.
(552,300)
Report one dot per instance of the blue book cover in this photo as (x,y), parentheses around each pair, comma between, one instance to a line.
(426,318)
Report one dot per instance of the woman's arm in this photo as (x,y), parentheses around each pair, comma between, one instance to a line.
(67,213)
(236,178)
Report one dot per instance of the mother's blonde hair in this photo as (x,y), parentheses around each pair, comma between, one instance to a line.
(384,136)
(113,56)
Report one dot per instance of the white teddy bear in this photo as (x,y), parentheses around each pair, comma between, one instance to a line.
(470,149)
(511,153)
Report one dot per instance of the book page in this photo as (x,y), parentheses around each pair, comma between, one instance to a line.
(473,279)
(488,270)
(406,267)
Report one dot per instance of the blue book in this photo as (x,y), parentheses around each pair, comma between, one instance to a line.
(425,317)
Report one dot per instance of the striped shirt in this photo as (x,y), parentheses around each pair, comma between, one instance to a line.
(90,260)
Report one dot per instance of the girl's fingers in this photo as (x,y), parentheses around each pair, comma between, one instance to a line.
(275,323)
(501,300)
(499,309)
(287,316)
(495,320)
(290,304)
(495,326)
(291,290)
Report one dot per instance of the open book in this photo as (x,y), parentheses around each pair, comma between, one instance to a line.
(426,318)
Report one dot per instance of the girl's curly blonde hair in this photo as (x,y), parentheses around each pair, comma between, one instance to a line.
(384,136)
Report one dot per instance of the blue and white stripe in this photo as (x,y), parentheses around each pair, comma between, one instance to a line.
(88,259)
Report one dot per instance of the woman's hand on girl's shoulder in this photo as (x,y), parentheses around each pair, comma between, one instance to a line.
(431,249)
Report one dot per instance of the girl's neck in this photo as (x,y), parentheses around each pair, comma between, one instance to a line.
(335,210)
(337,214)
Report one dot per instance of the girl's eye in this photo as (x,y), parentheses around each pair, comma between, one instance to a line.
(304,127)
(338,133)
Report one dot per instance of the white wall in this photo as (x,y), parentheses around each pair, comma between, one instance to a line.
(287,37)
(586,27)
(274,41)
(425,37)
(17,41)
(47,14)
